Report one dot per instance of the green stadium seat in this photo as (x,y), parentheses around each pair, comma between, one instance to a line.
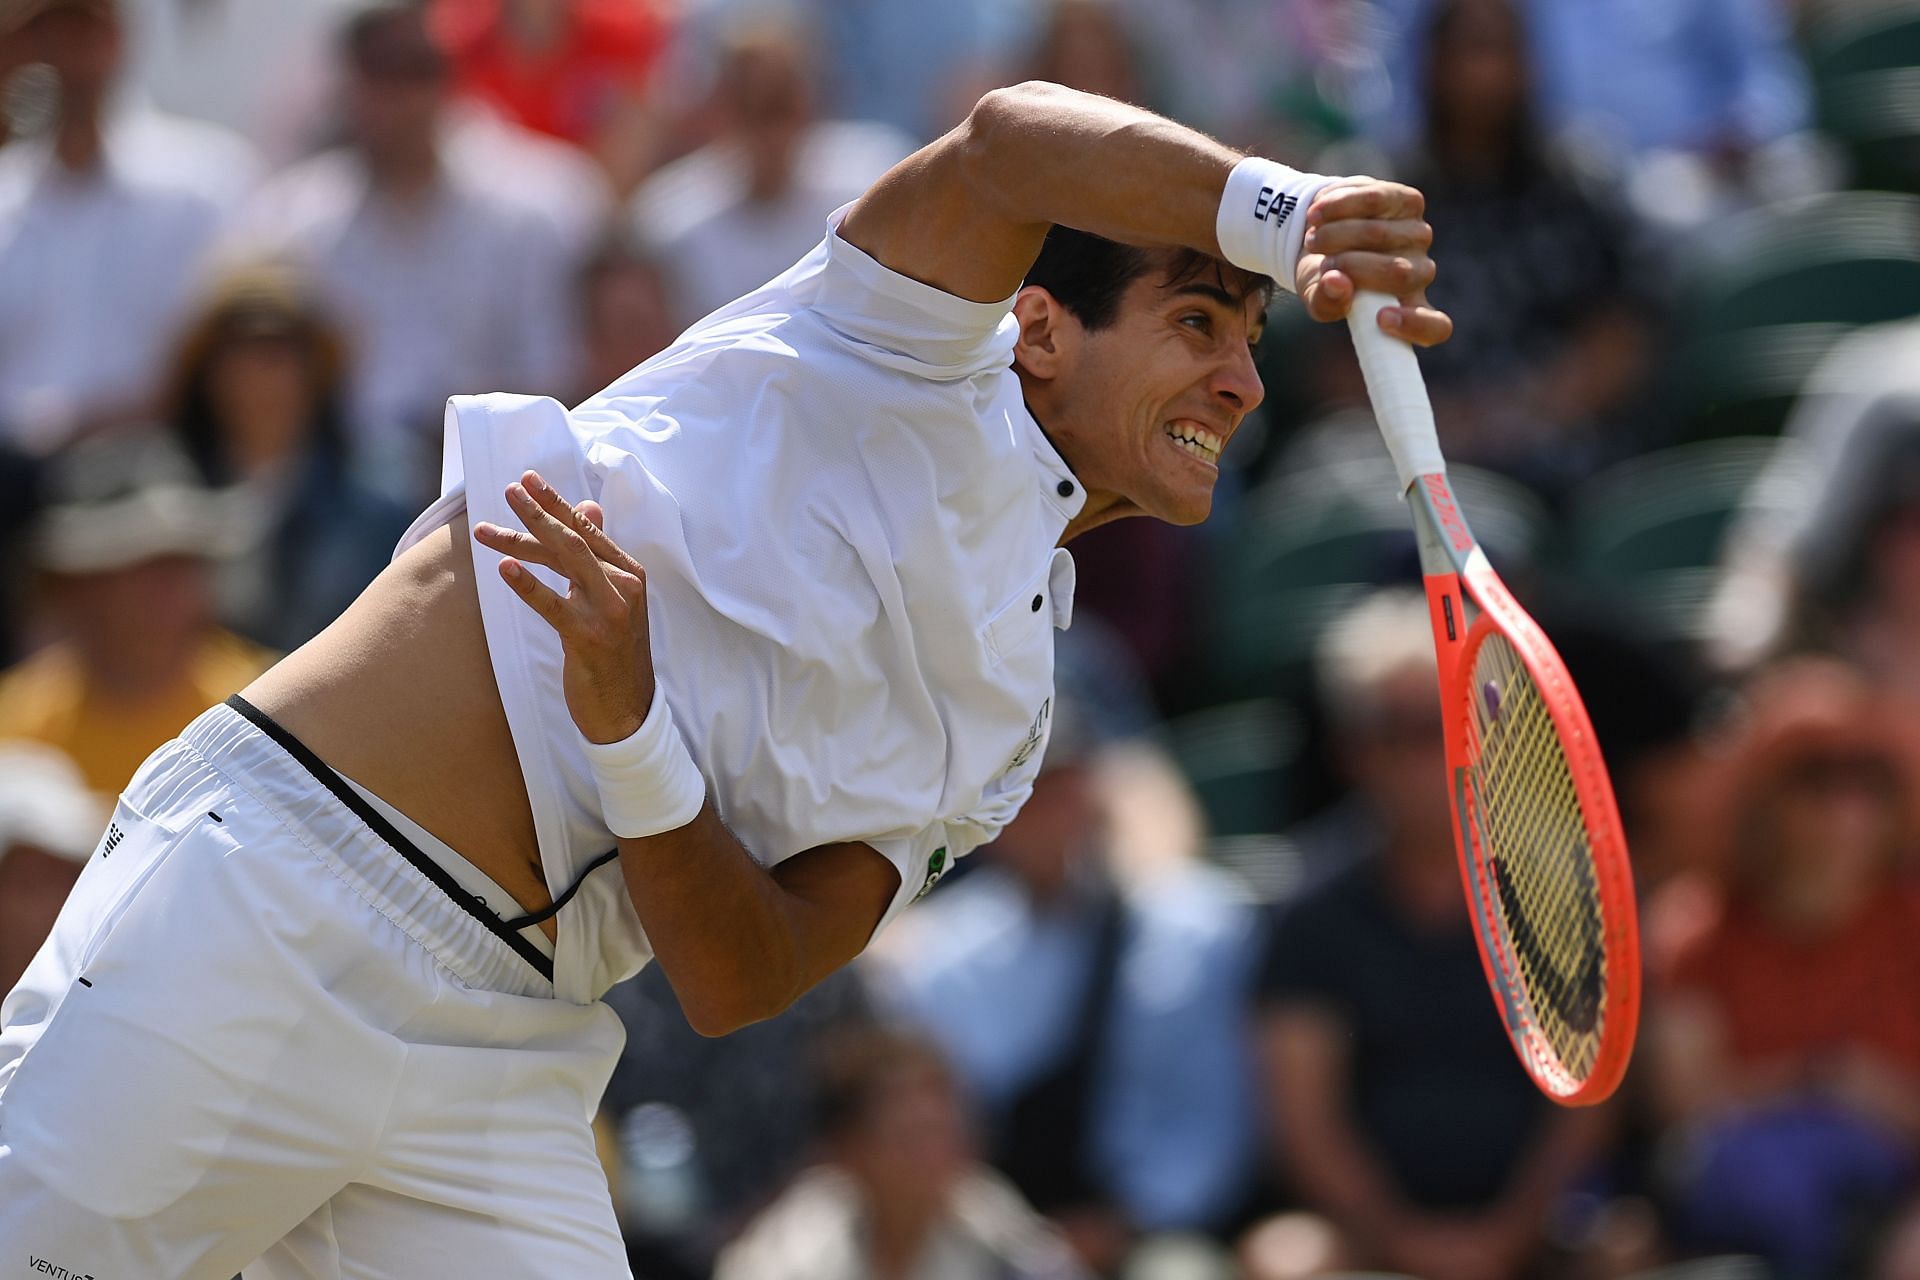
(1240,759)
(1864,59)
(1649,531)
(1777,289)
(1309,543)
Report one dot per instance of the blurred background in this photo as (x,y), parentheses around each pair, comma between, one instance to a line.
(1211,1007)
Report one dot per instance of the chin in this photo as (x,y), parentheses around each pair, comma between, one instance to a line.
(1187,510)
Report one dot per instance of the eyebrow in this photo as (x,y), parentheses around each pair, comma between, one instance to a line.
(1214,293)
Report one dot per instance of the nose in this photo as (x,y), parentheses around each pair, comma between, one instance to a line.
(1236,382)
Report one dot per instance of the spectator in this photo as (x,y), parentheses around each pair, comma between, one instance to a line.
(123,549)
(624,314)
(1401,1119)
(1785,1040)
(577,70)
(916,68)
(1645,701)
(1712,79)
(1088,45)
(710,1129)
(102,224)
(738,212)
(558,183)
(48,825)
(1551,335)
(259,401)
(259,70)
(900,1195)
(1099,1023)
(444,284)
(1824,552)
(1279,76)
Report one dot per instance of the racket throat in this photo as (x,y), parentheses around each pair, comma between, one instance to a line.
(1445,541)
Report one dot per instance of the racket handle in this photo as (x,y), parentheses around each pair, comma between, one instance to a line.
(1398,392)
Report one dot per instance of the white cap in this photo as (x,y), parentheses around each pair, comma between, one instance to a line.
(44,802)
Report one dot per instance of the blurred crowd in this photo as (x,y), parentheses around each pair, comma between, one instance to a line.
(1211,1007)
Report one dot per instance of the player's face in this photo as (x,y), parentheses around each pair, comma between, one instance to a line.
(1153,398)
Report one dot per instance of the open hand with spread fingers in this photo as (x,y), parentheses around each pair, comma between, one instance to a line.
(602,620)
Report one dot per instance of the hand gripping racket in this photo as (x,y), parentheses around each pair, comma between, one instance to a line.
(1539,839)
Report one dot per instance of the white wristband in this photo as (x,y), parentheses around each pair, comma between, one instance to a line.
(648,781)
(1263,217)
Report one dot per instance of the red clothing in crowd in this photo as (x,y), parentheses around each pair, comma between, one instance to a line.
(1784,996)
(606,54)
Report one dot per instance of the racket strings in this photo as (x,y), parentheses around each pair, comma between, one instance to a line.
(1533,837)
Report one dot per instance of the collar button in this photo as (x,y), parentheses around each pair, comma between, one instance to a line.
(1064,488)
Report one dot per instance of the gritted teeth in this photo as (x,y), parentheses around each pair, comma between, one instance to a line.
(1197,440)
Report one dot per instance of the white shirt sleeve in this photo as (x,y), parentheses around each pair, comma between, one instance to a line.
(901,322)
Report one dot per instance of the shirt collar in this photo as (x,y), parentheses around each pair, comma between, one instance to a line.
(1060,487)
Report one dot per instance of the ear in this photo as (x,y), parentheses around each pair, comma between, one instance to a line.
(1048,333)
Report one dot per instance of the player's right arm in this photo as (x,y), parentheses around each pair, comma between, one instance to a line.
(967,213)
(737,941)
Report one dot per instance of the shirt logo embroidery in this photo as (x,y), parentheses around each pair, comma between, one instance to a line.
(936,867)
(1036,733)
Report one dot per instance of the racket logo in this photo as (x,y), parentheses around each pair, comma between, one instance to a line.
(1448,511)
(1574,997)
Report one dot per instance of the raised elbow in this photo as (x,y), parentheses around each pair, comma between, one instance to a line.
(1015,102)
(991,137)
(1009,110)
(722,1014)
(713,1023)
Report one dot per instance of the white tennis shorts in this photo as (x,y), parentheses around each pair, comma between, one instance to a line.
(260,1041)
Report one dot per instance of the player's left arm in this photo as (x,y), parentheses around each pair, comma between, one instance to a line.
(739,942)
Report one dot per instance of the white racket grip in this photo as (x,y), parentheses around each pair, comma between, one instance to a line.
(1398,392)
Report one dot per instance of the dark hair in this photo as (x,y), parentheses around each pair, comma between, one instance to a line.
(1089,273)
(258,301)
(391,37)
(1526,153)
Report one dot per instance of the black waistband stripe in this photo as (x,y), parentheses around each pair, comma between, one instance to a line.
(521,922)
(505,930)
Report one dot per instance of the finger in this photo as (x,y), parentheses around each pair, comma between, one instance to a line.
(539,597)
(1423,326)
(574,557)
(1329,297)
(1369,198)
(512,542)
(591,531)
(1401,275)
(1377,235)
(594,529)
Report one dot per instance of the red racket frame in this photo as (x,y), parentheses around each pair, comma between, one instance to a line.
(1456,571)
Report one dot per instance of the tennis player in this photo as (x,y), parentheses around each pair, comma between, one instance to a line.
(722,668)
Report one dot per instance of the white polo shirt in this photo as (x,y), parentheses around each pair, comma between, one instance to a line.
(849,523)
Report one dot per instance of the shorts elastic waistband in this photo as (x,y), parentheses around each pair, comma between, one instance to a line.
(318,807)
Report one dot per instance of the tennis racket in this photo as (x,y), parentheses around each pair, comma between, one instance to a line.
(1541,849)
